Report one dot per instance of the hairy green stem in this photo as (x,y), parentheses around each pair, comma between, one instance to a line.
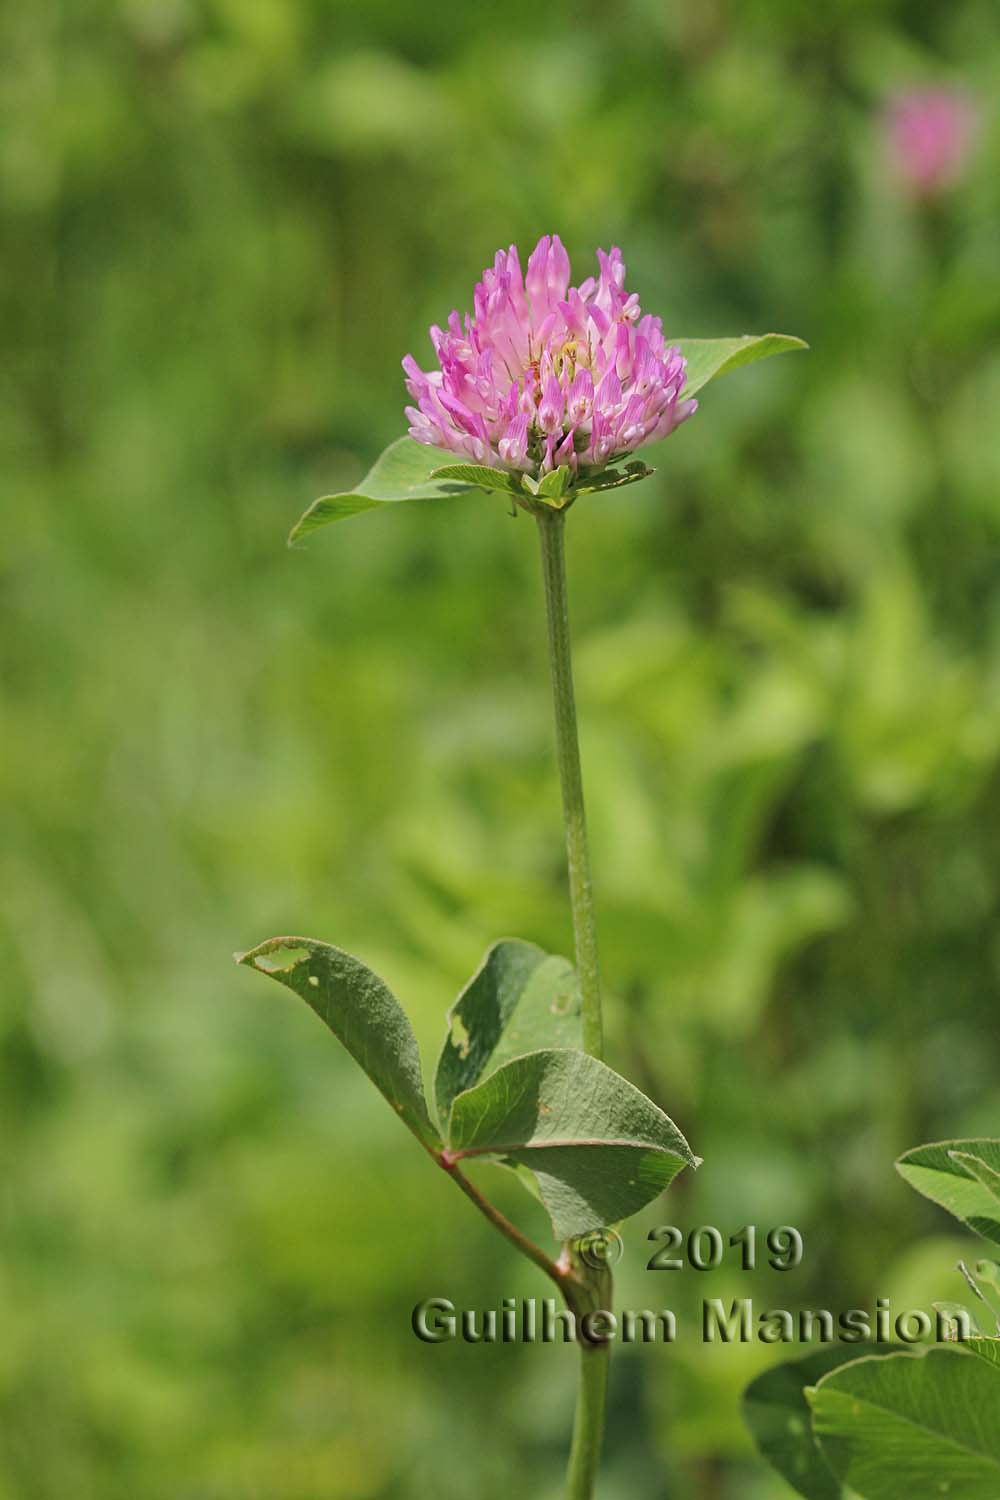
(587,1289)
(588,1423)
(551,533)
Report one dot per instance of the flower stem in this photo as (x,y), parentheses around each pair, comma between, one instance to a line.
(588,1423)
(551,533)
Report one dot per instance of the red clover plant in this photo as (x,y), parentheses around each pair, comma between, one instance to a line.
(541,396)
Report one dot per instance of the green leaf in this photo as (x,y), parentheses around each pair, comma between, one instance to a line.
(777,1413)
(519,1000)
(554,486)
(402,472)
(919,1428)
(612,479)
(412,471)
(984,1174)
(484,478)
(944,1172)
(599,1149)
(709,358)
(986,1347)
(363,1013)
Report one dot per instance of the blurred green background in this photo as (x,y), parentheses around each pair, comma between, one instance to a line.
(224,224)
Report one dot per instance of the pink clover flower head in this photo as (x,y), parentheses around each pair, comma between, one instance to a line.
(930,136)
(544,374)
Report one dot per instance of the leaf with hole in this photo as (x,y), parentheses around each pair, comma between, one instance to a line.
(598,1148)
(519,1000)
(363,1014)
(963,1177)
(914,1427)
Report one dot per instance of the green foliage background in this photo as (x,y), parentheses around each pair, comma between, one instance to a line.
(224,223)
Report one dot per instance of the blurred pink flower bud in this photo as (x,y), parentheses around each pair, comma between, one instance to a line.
(930,136)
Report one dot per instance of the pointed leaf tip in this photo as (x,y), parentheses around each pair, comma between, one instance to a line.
(402,472)
(707,359)
(363,1014)
(598,1148)
(962,1176)
(612,479)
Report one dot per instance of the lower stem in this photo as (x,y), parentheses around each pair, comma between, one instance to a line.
(587,1290)
(551,525)
(588,1424)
